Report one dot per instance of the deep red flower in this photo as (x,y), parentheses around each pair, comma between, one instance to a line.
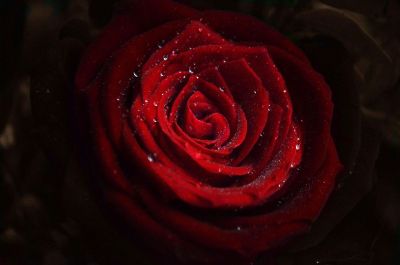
(210,129)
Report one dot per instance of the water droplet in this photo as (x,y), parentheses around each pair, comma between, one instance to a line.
(238,228)
(165,57)
(161,74)
(254,92)
(191,70)
(135,74)
(297,147)
(151,158)
(154,120)
(146,101)
(200,29)
(221,89)
(284,91)
(155,104)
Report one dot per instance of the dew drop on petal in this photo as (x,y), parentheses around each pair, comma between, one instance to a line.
(165,57)
(151,158)
(238,228)
(155,104)
(221,89)
(297,147)
(200,29)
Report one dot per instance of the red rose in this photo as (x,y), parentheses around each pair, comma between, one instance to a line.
(210,129)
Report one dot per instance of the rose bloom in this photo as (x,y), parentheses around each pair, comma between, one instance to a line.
(208,131)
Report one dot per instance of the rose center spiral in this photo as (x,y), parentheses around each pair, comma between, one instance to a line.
(203,120)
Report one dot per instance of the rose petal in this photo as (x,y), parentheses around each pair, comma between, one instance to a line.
(132,19)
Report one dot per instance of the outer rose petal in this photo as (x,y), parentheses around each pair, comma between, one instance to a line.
(133,18)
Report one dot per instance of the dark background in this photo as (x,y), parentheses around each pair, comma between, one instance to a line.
(355,44)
